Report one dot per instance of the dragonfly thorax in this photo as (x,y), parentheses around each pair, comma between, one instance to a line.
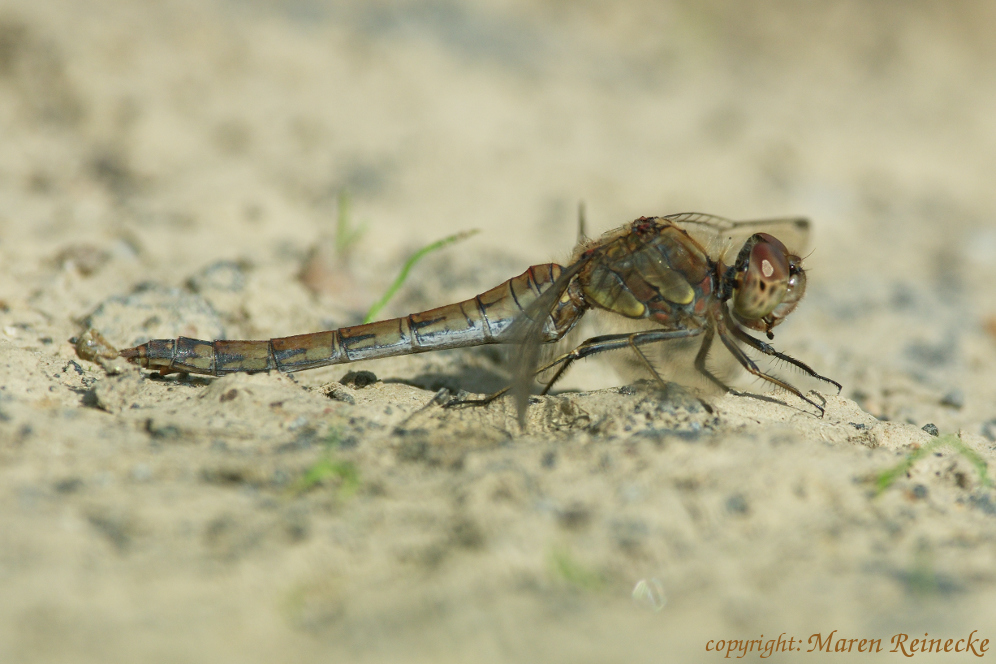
(653,271)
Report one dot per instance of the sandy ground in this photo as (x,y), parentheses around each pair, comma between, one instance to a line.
(171,168)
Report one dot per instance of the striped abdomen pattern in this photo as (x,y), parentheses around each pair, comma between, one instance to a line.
(480,320)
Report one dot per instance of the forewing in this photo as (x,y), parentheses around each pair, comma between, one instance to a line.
(723,238)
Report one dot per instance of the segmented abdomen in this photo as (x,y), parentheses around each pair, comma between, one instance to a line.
(482,319)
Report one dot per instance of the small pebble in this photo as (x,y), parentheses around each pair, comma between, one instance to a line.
(931,429)
(359,379)
(737,504)
(338,393)
(575,517)
(69,485)
(954,399)
(549,459)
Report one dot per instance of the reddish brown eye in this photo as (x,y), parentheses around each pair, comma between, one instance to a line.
(763,281)
(771,257)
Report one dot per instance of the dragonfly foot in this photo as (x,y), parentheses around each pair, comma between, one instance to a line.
(460,400)
(822,406)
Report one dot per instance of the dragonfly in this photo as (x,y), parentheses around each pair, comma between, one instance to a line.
(682,276)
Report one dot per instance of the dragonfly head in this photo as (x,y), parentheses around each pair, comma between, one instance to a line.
(770,282)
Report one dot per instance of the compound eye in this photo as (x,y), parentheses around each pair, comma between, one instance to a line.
(764,283)
(796,289)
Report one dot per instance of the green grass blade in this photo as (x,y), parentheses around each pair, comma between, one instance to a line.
(346,234)
(327,467)
(565,567)
(407,267)
(885,479)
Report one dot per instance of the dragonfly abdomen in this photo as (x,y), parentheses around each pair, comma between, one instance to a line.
(483,319)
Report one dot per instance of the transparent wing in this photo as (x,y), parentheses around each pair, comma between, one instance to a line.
(723,238)
(527,332)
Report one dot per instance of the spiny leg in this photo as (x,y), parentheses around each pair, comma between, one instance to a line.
(661,381)
(614,342)
(700,359)
(565,360)
(751,367)
(646,363)
(759,345)
(585,349)
(456,402)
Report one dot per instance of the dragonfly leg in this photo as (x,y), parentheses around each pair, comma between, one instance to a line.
(456,403)
(614,342)
(700,359)
(653,371)
(752,368)
(586,348)
(705,344)
(646,362)
(759,345)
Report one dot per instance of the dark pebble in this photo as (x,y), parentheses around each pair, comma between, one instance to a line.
(737,504)
(359,378)
(954,399)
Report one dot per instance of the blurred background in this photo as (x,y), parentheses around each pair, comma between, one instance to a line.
(222,146)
